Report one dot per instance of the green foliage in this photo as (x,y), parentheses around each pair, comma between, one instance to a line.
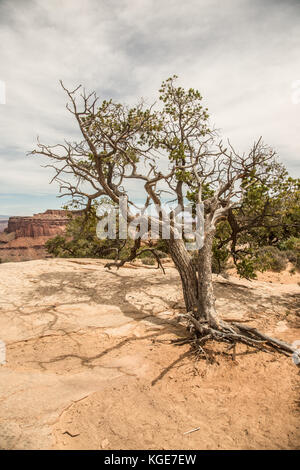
(271,258)
(268,211)
(148,261)
(267,216)
(246,266)
(162,248)
(291,243)
(220,258)
(276,207)
(291,248)
(181,110)
(119,140)
(81,241)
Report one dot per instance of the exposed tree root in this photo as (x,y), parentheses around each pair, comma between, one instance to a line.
(234,333)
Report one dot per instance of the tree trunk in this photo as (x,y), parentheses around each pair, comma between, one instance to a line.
(188,273)
(197,286)
(205,283)
(196,279)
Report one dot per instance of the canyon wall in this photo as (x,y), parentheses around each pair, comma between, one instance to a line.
(24,238)
(47,224)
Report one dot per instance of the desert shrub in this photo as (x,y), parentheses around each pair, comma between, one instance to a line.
(292,243)
(291,248)
(162,254)
(162,248)
(291,256)
(148,261)
(271,258)
(147,254)
(81,240)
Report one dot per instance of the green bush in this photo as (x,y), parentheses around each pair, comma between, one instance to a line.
(292,243)
(291,256)
(148,261)
(271,258)
(291,248)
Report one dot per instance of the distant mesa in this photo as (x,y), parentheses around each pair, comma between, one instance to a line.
(46,224)
(24,238)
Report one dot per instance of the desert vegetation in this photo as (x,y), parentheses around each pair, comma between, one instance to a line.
(249,201)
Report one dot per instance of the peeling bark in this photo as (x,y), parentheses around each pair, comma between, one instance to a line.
(205,283)
(188,274)
(196,279)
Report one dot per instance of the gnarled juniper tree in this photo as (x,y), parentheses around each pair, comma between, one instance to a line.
(169,151)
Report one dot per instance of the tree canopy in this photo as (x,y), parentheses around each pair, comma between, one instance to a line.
(169,152)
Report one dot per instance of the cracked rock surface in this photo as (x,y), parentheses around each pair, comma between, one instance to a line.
(90,363)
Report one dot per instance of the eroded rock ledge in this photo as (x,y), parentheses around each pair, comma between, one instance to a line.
(49,223)
(24,238)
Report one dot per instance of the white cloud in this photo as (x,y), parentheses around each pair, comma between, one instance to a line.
(243,57)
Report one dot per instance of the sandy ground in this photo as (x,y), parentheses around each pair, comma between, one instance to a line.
(288,276)
(90,364)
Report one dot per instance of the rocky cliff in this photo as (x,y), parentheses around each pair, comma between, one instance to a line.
(25,237)
(47,224)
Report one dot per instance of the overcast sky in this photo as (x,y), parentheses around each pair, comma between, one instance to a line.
(243,56)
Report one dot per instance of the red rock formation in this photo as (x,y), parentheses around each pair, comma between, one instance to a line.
(25,237)
(47,224)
